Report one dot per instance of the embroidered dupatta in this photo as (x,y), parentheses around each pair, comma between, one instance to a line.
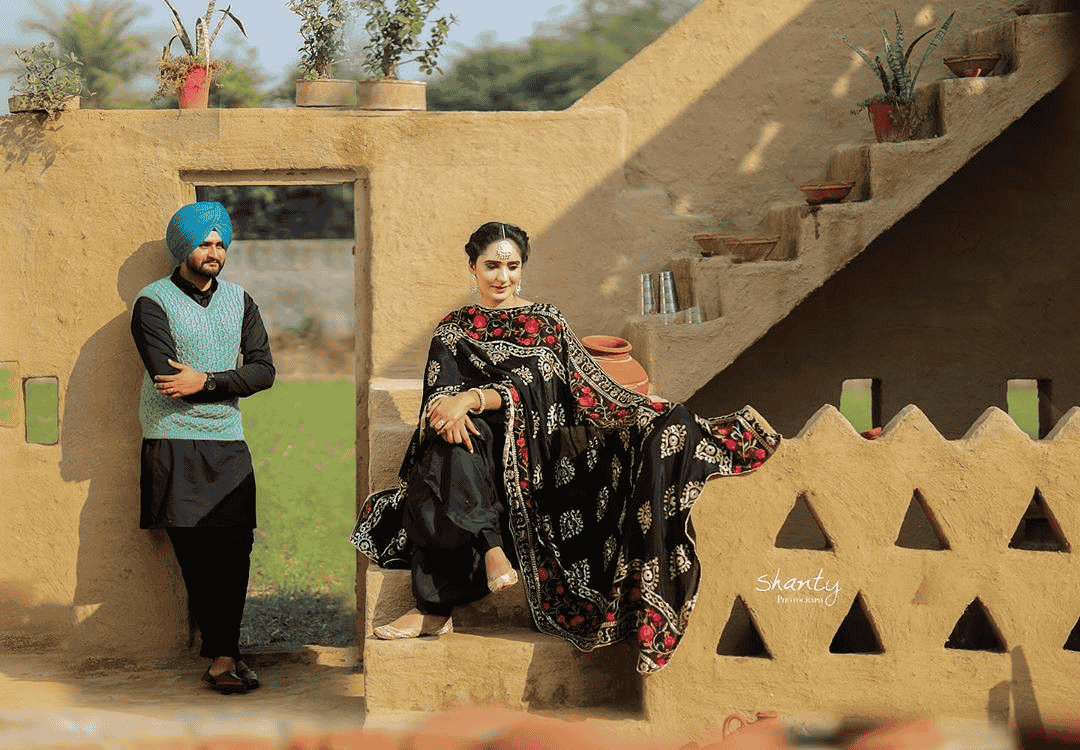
(599,480)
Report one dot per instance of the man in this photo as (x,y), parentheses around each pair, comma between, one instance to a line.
(197,481)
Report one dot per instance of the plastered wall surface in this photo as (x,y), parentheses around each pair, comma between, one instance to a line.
(908,655)
(609,189)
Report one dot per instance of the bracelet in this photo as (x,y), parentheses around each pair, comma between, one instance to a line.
(483,401)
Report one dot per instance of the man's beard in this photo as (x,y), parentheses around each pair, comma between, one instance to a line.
(202,270)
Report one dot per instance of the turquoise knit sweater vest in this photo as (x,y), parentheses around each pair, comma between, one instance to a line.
(208,340)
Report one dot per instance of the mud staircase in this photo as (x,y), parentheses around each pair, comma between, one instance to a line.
(740,302)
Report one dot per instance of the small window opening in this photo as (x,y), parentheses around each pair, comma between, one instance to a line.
(741,636)
(9,394)
(42,398)
(920,529)
(976,631)
(1030,404)
(802,529)
(856,634)
(1039,529)
(860,403)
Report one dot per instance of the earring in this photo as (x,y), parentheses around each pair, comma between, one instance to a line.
(518,290)
(473,286)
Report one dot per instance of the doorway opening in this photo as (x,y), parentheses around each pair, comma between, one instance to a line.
(293,251)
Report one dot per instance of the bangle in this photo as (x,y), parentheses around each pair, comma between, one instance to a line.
(483,401)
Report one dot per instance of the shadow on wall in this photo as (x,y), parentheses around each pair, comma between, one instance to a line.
(128,591)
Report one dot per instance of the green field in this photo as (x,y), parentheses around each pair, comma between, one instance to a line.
(302,439)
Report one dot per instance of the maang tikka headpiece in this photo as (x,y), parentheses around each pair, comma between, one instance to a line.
(504,249)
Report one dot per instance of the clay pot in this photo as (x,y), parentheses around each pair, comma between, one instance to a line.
(333,93)
(885,130)
(390,94)
(825,192)
(194,92)
(741,249)
(613,355)
(974,65)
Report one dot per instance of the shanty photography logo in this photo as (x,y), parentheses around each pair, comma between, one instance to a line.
(795,590)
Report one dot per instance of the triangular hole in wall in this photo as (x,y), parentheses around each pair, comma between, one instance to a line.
(1072,643)
(1038,529)
(856,634)
(802,529)
(741,636)
(920,529)
(976,631)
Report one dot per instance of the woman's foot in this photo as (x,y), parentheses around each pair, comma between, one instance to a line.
(412,624)
(500,575)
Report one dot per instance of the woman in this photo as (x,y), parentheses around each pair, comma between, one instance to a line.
(528,455)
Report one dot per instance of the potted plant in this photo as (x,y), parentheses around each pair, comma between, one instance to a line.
(47,84)
(322,28)
(894,113)
(189,76)
(393,39)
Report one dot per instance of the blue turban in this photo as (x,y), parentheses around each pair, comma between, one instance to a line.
(192,224)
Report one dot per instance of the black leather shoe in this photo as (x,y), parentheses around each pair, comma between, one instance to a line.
(247,675)
(226,682)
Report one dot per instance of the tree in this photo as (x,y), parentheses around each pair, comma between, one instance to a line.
(98,34)
(556,68)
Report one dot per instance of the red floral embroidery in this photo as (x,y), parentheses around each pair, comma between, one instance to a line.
(646,634)
(532,325)
(479,321)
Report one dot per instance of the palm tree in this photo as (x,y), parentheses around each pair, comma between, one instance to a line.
(98,33)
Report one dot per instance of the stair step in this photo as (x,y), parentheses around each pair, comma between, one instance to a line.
(507,668)
(389,595)
(494,657)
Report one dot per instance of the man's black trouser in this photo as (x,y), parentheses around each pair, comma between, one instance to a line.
(215,564)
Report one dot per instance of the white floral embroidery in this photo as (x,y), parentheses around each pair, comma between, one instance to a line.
(708,451)
(570,523)
(538,477)
(433,372)
(564,472)
(579,573)
(690,495)
(525,374)
(556,416)
(644,517)
(547,369)
(624,436)
(616,470)
(609,550)
(450,335)
(672,440)
(477,362)
(680,561)
(645,417)
(602,502)
(671,505)
(592,455)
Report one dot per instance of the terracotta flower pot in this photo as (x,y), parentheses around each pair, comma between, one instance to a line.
(613,355)
(972,66)
(326,92)
(825,192)
(741,249)
(390,94)
(194,92)
(886,130)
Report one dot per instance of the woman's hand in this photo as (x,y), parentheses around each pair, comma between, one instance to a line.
(449,417)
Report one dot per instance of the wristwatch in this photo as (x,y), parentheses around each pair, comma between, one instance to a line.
(210,383)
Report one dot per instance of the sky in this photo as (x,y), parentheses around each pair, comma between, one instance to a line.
(272,28)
